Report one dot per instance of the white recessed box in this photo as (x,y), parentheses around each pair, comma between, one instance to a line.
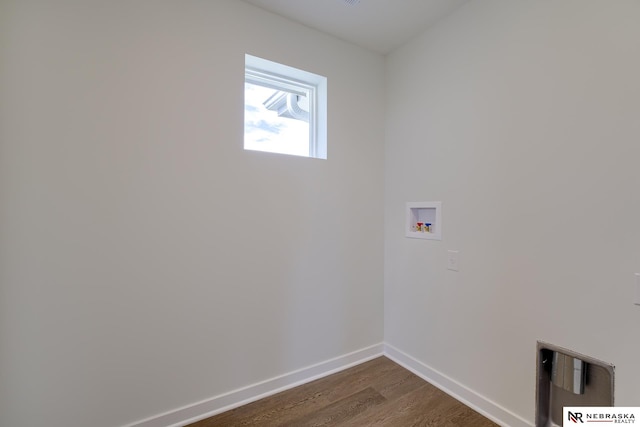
(424,220)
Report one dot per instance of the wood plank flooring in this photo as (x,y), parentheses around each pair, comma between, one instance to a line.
(375,393)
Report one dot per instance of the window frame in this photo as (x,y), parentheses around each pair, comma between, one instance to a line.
(265,73)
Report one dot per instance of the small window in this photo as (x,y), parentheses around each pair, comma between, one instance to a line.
(285,109)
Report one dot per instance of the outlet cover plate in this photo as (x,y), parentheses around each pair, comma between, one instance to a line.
(453,260)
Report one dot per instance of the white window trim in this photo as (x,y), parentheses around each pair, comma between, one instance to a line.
(270,74)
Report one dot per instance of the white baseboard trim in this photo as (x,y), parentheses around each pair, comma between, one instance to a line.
(224,402)
(472,399)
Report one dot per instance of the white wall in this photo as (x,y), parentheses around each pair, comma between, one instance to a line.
(523,118)
(146,260)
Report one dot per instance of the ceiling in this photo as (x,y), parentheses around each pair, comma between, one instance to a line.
(377,25)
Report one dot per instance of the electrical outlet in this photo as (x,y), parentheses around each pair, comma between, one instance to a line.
(453,260)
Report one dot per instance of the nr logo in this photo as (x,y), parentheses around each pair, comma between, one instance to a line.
(575,417)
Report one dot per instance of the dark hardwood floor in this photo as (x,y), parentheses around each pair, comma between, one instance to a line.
(375,393)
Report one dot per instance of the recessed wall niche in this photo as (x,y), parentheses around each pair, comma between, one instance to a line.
(424,220)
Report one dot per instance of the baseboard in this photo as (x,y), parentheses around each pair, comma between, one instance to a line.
(224,402)
(472,399)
